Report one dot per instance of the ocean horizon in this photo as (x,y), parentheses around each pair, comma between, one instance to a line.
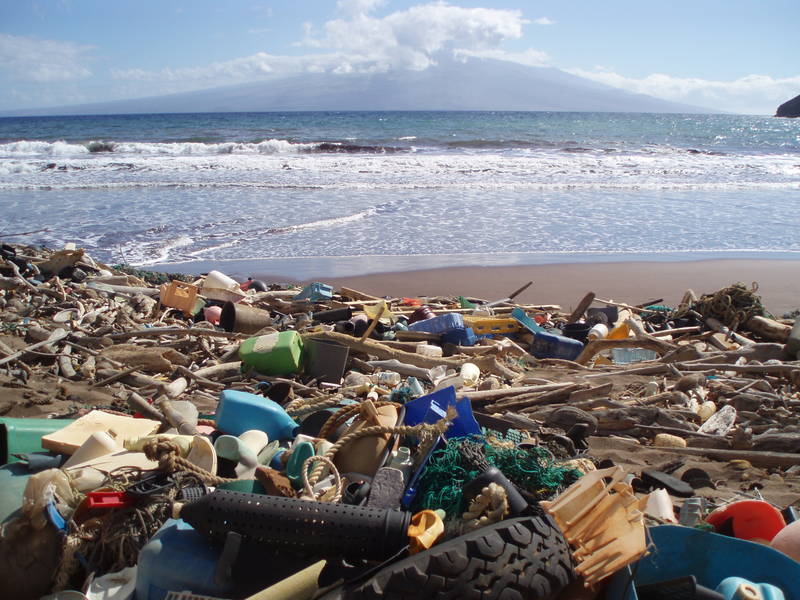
(317,193)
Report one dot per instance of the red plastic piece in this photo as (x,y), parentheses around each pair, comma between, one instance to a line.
(752,519)
(108,500)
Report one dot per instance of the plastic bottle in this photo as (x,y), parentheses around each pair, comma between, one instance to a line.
(598,332)
(238,412)
(403,462)
(389,378)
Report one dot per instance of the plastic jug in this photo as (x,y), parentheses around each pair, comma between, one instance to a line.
(238,412)
(273,354)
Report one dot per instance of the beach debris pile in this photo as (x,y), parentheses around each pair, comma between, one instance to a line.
(172,436)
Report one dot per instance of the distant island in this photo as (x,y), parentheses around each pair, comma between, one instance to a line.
(790,108)
(474,84)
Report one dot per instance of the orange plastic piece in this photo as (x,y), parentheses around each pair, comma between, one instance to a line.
(180,295)
(753,520)
(411,302)
(426,527)
(602,522)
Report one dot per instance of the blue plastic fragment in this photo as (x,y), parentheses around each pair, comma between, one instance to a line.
(315,292)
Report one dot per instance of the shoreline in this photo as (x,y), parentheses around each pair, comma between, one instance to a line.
(634,280)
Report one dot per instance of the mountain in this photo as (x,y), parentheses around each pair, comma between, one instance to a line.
(477,84)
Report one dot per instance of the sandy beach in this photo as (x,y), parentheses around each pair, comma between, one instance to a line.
(565,284)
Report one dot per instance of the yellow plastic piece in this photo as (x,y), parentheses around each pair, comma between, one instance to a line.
(602,522)
(425,529)
(180,295)
(490,326)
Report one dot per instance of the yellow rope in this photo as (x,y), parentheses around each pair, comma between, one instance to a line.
(167,454)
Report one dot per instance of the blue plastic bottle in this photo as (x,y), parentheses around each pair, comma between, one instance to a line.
(238,412)
(550,345)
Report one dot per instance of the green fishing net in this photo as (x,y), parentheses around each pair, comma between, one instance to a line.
(531,469)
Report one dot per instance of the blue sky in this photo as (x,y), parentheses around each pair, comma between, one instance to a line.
(734,55)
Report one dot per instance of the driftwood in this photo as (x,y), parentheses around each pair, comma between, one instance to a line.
(487,364)
(768,329)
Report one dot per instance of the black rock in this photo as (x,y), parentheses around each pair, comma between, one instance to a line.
(790,108)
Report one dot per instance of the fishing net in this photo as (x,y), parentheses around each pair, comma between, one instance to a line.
(449,469)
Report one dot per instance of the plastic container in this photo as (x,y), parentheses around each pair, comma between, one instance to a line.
(238,412)
(178,558)
(20,436)
(549,345)
(460,336)
(429,350)
(439,324)
(387,378)
(243,319)
(315,292)
(470,373)
(620,332)
(219,281)
(754,520)
(273,354)
(624,356)
(316,528)
(490,326)
(182,296)
(597,332)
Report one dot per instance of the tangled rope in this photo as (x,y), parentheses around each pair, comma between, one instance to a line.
(732,305)
(335,420)
(424,431)
(168,456)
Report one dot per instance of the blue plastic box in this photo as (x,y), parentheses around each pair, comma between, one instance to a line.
(440,324)
(462,336)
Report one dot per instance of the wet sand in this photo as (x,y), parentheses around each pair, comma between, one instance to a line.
(566,284)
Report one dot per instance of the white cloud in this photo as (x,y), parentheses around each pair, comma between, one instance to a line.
(43,61)
(359,42)
(751,94)
(544,21)
(530,57)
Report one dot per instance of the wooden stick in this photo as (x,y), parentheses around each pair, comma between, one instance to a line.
(581,308)
(156,331)
(50,340)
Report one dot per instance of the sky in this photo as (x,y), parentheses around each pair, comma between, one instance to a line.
(733,55)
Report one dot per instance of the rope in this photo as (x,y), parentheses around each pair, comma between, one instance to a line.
(308,491)
(423,430)
(167,454)
(732,305)
(488,507)
(335,420)
(302,406)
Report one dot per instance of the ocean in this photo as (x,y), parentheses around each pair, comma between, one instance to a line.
(315,194)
